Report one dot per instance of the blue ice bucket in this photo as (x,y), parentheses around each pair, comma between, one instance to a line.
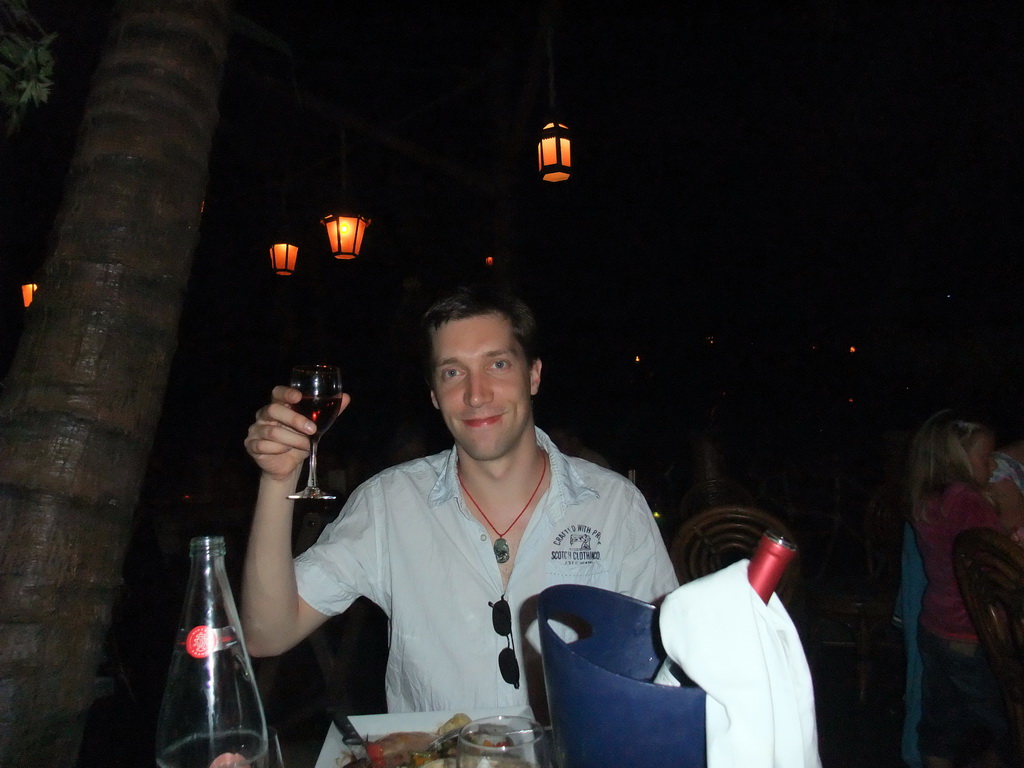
(604,710)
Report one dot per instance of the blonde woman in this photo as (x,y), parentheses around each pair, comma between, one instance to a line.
(950,464)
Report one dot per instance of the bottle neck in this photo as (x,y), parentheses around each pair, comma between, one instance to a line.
(769,563)
(209,602)
(207,547)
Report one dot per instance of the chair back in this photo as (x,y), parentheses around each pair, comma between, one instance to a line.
(883,537)
(719,536)
(989,568)
(713,492)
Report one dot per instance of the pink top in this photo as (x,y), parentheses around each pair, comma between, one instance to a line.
(960,507)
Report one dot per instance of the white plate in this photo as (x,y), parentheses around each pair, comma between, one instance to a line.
(376,726)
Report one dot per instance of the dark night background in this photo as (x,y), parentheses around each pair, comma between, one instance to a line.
(756,189)
(787,182)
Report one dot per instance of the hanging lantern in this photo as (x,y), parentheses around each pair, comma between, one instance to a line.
(282,258)
(345,234)
(554,159)
(28,292)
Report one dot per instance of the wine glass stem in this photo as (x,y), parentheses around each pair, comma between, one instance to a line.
(313,441)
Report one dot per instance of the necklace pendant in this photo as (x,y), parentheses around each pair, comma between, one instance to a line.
(501,550)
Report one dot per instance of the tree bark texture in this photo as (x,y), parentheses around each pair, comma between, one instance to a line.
(82,402)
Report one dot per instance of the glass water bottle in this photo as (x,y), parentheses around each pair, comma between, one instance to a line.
(211,715)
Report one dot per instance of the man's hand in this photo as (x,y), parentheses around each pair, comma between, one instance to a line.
(278,440)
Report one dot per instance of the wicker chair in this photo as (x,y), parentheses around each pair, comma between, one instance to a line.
(864,598)
(719,536)
(713,492)
(990,571)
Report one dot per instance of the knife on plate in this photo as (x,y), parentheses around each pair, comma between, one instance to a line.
(349,735)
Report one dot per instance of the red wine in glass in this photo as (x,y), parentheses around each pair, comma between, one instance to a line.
(320,386)
(322,411)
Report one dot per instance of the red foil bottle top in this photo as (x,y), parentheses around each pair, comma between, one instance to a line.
(769,562)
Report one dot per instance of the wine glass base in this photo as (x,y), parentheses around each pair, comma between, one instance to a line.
(312,493)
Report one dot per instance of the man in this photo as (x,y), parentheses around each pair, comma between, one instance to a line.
(453,547)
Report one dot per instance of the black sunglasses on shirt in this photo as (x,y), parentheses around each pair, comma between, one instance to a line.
(501,619)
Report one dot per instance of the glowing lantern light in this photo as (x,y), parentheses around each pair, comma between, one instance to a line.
(282,258)
(28,292)
(345,234)
(554,158)
(554,155)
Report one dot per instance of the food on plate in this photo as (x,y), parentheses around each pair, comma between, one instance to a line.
(407,749)
(397,749)
(454,722)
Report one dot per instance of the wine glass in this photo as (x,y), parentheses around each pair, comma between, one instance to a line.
(274,758)
(320,386)
(503,740)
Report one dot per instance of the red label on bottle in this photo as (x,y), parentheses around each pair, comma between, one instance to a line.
(201,642)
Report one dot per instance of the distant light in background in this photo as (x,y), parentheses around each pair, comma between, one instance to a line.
(489,261)
(282,258)
(636,359)
(709,339)
(345,234)
(852,349)
(28,292)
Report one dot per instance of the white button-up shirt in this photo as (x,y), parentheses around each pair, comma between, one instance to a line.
(406,540)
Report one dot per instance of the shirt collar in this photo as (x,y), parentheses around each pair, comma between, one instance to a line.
(565,480)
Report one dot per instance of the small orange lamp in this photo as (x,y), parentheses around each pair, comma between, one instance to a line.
(554,156)
(345,234)
(282,258)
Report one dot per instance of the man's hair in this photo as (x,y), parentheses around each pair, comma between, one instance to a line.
(475,301)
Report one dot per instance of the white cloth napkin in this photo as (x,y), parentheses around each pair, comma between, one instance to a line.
(748,658)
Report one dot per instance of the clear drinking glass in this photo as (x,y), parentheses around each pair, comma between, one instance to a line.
(503,740)
(320,386)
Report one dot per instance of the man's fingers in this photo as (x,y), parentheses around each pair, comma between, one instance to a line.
(271,447)
(281,414)
(285,394)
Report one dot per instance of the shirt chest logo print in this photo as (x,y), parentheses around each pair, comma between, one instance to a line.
(577,544)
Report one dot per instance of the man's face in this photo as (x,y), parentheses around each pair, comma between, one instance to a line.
(482,384)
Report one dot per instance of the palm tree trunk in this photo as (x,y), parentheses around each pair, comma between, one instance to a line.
(81,404)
